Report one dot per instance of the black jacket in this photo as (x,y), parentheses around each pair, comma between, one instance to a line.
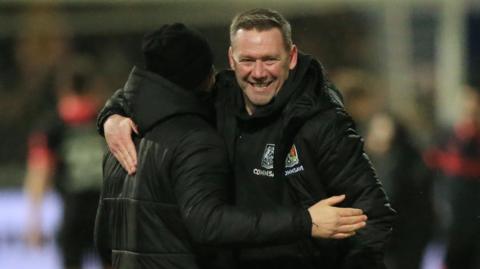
(178,196)
(301,148)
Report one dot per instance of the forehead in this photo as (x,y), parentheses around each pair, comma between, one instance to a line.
(253,42)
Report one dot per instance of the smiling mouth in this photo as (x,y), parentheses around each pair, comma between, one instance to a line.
(260,84)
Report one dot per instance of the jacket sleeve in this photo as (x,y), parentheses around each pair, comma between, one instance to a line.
(346,169)
(116,104)
(200,170)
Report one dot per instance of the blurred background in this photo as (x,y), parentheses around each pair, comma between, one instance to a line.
(408,71)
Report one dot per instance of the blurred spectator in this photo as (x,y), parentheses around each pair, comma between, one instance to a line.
(361,94)
(66,151)
(41,52)
(457,157)
(398,163)
(408,184)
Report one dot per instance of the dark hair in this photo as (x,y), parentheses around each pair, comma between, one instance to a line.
(262,19)
(179,54)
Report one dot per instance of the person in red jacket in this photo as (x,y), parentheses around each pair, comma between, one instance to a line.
(457,157)
(64,152)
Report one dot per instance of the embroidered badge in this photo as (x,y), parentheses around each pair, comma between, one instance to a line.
(292,158)
(267,158)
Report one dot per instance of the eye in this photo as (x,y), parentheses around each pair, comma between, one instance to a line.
(270,61)
(246,61)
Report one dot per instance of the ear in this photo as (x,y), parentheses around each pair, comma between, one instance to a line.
(231,61)
(293,57)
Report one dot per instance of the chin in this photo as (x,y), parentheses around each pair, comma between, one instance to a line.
(261,101)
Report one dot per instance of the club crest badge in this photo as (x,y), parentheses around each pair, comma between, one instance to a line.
(267,158)
(292,158)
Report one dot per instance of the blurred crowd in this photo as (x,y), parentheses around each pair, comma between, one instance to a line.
(433,186)
(50,96)
(36,71)
(53,84)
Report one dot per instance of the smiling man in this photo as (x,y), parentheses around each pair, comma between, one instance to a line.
(289,141)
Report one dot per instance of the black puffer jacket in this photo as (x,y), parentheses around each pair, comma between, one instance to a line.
(301,148)
(178,196)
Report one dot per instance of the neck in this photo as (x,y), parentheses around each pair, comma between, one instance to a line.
(249,107)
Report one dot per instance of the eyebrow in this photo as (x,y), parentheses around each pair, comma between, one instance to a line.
(263,58)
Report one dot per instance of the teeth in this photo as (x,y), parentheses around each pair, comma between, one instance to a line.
(260,85)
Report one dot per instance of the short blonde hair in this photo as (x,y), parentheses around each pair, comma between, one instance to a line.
(262,19)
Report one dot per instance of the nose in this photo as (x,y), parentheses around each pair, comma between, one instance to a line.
(259,71)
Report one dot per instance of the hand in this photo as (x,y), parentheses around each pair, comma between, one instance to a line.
(335,222)
(118,133)
(34,237)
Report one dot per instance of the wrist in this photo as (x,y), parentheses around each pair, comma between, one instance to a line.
(308,223)
(104,116)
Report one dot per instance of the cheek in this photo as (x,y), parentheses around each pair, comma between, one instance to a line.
(278,71)
(242,71)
